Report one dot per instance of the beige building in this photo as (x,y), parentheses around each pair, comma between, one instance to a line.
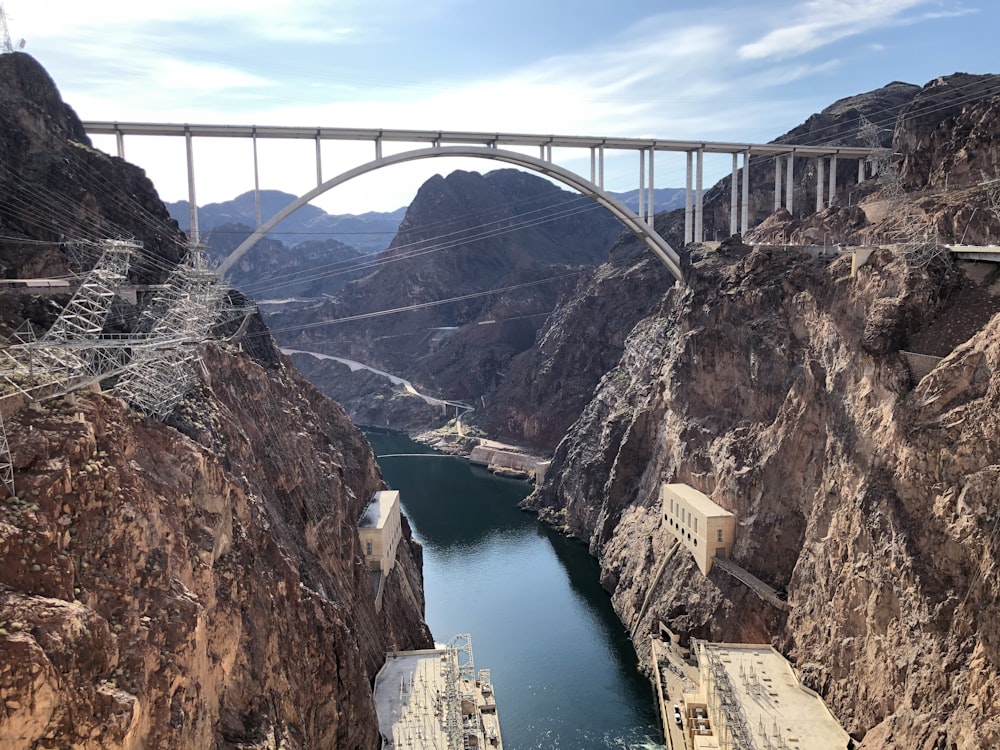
(707,530)
(749,696)
(380,529)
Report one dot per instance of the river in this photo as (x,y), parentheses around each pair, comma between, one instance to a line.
(564,671)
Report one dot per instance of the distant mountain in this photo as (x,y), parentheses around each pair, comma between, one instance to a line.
(664,199)
(369,232)
(505,246)
(270,270)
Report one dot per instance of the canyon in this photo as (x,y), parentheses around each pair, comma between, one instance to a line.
(199,582)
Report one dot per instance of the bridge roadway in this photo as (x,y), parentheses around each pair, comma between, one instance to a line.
(487,144)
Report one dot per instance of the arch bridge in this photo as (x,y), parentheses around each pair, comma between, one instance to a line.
(430,144)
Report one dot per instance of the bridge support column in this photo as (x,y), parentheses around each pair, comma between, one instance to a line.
(593,164)
(192,201)
(819,184)
(861,171)
(789,183)
(651,210)
(688,225)
(641,209)
(833,181)
(745,218)
(319,163)
(256,182)
(600,167)
(120,140)
(699,218)
(732,196)
(777,182)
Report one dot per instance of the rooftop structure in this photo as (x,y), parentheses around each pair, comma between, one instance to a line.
(749,697)
(432,700)
(706,529)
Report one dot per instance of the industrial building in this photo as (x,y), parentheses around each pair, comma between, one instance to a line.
(380,529)
(706,529)
(748,696)
(433,700)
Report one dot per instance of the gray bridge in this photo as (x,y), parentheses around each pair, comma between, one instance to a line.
(431,144)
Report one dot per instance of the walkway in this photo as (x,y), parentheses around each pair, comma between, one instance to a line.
(752,582)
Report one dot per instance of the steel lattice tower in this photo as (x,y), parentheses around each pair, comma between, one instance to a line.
(161,373)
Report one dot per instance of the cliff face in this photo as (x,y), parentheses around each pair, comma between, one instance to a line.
(546,387)
(774,384)
(163,590)
(196,584)
(56,188)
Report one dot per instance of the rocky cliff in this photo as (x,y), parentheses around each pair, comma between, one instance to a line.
(192,584)
(773,383)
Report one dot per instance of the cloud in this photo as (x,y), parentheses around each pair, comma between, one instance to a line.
(818,23)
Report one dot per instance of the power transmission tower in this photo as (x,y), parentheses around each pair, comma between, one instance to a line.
(6,462)
(905,226)
(72,351)
(180,318)
(8,46)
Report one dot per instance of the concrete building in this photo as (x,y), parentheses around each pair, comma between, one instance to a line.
(707,530)
(749,696)
(380,529)
(433,700)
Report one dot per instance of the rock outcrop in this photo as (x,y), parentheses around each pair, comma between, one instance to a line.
(194,584)
(774,384)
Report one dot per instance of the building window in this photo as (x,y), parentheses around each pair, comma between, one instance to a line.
(696,541)
(696,524)
(718,535)
(368,548)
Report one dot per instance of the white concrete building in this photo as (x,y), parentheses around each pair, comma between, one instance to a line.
(380,530)
(706,529)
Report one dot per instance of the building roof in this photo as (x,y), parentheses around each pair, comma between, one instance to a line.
(697,500)
(377,511)
(777,707)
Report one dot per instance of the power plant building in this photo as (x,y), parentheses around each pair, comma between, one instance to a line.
(706,529)
(380,529)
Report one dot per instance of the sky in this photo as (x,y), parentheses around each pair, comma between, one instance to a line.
(724,70)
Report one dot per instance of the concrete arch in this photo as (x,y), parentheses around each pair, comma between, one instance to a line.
(653,241)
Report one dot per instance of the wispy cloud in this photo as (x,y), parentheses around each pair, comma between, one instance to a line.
(818,23)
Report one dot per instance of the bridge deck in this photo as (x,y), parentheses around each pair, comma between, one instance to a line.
(440,137)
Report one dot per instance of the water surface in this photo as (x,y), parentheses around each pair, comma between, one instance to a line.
(564,670)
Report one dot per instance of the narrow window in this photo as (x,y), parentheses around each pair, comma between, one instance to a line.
(718,535)
(368,548)
(696,524)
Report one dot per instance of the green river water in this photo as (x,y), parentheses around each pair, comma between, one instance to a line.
(564,671)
